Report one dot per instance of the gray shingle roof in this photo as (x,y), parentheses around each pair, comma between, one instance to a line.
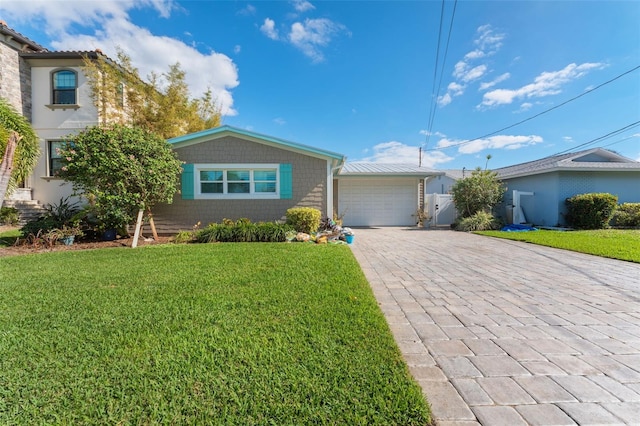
(590,159)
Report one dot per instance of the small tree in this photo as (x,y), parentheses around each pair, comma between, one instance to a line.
(121,170)
(481,191)
(161,105)
(19,149)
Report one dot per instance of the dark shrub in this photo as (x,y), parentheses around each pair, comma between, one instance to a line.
(243,231)
(627,215)
(9,216)
(590,211)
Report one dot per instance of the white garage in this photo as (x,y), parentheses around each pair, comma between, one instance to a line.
(373,194)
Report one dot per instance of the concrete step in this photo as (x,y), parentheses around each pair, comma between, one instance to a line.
(28,210)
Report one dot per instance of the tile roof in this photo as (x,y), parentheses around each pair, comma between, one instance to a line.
(4,29)
(590,159)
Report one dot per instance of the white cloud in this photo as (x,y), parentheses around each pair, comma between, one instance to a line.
(508,142)
(397,152)
(249,10)
(546,84)
(499,79)
(525,106)
(445,99)
(568,139)
(312,34)
(488,40)
(426,133)
(237,49)
(302,5)
(268,28)
(112,29)
(475,54)
(279,121)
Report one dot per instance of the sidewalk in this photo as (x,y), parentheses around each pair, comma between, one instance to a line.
(506,333)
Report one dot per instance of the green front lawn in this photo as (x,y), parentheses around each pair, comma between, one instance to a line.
(8,237)
(198,334)
(613,243)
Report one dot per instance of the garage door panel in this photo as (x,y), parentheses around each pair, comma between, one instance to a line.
(378,202)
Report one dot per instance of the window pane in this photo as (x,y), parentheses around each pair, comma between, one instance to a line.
(269,175)
(66,97)
(211,175)
(269,187)
(238,188)
(236,175)
(64,80)
(211,188)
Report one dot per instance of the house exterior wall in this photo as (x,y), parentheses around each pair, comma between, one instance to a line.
(543,207)
(309,185)
(547,207)
(56,123)
(15,80)
(441,184)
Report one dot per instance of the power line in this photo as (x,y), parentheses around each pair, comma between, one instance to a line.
(432,113)
(540,113)
(608,135)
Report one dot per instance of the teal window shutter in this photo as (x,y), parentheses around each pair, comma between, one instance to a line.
(188,192)
(286,182)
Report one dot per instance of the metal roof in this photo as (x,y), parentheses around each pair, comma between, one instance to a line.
(595,159)
(386,169)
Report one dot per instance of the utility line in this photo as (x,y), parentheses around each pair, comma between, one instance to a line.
(608,135)
(432,114)
(540,113)
(435,74)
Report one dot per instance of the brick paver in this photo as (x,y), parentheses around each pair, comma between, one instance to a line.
(501,332)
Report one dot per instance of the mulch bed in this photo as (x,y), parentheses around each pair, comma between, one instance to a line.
(21,248)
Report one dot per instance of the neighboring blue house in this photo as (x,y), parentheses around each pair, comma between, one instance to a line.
(554,179)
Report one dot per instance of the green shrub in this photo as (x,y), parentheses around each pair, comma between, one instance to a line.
(627,215)
(591,211)
(480,221)
(9,216)
(304,219)
(243,231)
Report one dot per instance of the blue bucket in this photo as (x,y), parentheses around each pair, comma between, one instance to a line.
(349,239)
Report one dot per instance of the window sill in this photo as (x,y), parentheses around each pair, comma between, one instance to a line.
(49,178)
(63,106)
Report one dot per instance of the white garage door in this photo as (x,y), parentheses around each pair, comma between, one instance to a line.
(378,202)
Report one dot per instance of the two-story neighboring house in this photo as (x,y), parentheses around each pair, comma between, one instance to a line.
(51,91)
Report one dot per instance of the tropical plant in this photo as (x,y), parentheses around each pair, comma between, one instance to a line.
(19,149)
(479,221)
(481,191)
(161,105)
(120,170)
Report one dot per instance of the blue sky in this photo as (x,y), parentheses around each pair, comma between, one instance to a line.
(357,77)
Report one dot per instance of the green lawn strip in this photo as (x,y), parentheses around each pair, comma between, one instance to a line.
(613,243)
(8,238)
(196,334)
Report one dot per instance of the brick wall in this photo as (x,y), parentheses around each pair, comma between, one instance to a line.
(309,185)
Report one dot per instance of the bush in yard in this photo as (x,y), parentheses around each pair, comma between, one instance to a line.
(479,192)
(9,216)
(627,215)
(591,211)
(56,216)
(480,221)
(243,231)
(304,219)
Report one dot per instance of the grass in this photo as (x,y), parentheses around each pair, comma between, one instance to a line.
(613,243)
(8,237)
(198,334)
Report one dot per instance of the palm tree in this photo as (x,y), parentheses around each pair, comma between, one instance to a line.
(19,149)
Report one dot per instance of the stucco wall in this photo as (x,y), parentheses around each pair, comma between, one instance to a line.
(543,207)
(52,124)
(309,185)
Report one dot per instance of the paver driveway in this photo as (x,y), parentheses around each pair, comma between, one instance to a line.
(502,332)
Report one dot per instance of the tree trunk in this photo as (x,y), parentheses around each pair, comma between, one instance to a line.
(6,166)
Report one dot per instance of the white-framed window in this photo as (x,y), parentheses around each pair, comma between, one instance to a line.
(64,83)
(237,181)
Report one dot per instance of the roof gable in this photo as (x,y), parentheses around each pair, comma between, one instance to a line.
(223,131)
(592,159)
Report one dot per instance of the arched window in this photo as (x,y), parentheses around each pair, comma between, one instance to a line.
(65,83)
